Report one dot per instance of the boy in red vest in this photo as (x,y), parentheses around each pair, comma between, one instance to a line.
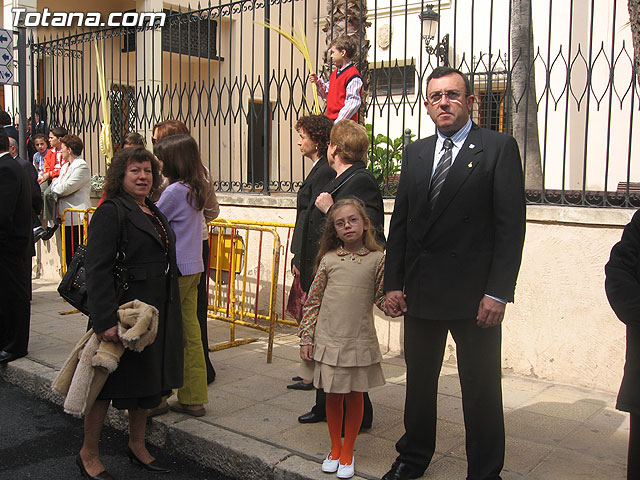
(342,92)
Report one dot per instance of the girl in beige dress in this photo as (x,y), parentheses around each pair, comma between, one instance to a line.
(337,330)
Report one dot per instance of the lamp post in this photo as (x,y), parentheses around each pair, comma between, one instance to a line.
(430,20)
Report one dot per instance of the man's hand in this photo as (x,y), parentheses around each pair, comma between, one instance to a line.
(490,312)
(110,335)
(313,78)
(295,271)
(306,352)
(324,202)
(395,303)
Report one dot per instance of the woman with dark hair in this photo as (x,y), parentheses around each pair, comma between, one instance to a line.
(314,131)
(141,377)
(183,201)
(72,189)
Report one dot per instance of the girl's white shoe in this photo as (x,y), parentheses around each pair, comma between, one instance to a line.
(329,465)
(348,470)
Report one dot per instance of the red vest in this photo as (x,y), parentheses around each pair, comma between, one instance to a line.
(338,91)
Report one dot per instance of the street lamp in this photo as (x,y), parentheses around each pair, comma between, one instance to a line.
(430,20)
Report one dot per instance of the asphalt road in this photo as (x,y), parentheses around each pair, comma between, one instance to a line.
(39,441)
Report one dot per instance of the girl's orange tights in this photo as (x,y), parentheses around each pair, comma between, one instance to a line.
(355,407)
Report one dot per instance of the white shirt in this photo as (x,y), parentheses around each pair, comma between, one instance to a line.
(458,140)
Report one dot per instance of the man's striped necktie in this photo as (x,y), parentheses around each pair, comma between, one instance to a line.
(442,169)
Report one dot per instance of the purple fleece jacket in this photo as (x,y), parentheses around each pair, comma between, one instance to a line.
(186,222)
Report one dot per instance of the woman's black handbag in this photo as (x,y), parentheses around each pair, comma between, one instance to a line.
(73,287)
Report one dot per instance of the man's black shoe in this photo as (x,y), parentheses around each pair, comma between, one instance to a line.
(401,471)
(6,357)
(311,417)
(297,378)
(50,232)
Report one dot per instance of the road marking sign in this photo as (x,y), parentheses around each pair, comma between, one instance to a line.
(5,56)
(6,39)
(6,75)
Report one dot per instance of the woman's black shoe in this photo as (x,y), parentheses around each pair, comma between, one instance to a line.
(104,475)
(154,466)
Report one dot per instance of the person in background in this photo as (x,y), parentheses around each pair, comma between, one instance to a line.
(182,202)
(72,189)
(132,139)
(142,378)
(52,164)
(211,211)
(342,92)
(42,147)
(9,127)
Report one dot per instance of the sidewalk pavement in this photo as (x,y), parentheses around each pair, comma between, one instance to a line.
(251,430)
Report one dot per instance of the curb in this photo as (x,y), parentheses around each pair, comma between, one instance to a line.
(230,453)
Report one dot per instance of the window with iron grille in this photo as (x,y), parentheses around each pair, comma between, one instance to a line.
(492,102)
(394,78)
(186,34)
(123,112)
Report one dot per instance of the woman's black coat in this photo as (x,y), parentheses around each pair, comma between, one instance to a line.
(623,291)
(356,181)
(304,251)
(153,279)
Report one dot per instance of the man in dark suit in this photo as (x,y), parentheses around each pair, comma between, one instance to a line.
(453,255)
(36,203)
(15,248)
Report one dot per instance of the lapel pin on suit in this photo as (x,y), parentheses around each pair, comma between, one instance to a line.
(472,146)
(470,164)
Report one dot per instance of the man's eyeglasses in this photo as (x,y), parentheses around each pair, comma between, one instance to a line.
(435,98)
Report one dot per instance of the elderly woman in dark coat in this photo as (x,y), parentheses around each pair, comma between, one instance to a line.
(141,378)
(347,154)
(623,291)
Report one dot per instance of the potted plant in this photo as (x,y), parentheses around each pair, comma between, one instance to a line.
(385,159)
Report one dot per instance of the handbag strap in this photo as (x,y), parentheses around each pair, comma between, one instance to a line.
(342,183)
(123,237)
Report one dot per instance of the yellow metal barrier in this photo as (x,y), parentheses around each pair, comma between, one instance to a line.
(232,300)
(83,217)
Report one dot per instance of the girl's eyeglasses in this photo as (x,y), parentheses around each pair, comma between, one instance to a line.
(340,224)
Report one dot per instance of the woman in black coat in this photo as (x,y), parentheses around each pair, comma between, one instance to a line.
(128,220)
(623,291)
